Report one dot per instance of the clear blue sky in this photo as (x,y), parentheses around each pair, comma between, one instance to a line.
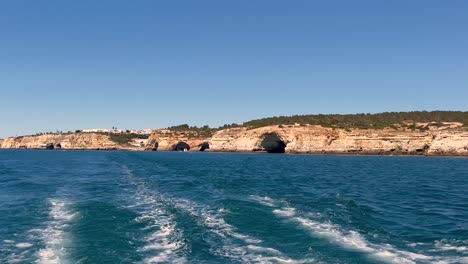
(148,64)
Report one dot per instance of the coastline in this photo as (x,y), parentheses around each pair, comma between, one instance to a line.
(311,139)
(344,154)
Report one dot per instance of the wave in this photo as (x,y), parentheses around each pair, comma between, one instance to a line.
(352,239)
(55,236)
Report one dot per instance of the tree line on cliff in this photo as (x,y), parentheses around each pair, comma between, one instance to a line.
(346,121)
(364,120)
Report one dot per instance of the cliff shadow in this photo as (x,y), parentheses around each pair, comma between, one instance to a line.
(272,143)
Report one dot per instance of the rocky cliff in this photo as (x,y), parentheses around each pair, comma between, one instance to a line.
(169,140)
(316,139)
(64,141)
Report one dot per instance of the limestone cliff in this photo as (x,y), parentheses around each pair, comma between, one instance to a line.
(167,140)
(317,139)
(64,141)
(448,140)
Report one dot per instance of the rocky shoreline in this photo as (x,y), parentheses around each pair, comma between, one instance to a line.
(296,139)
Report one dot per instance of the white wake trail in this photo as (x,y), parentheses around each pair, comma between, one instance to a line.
(235,245)
(165,243)
(56,236)
(352,239)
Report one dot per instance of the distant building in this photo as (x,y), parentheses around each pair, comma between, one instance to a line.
(117,131)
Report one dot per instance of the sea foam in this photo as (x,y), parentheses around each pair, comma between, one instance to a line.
(164,243)
(55,236)
(353,240)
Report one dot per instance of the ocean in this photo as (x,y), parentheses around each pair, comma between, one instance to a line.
(174,207)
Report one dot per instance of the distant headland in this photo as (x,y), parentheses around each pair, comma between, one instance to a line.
(390,133)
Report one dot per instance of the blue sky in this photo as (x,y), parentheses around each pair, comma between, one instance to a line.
(69,65)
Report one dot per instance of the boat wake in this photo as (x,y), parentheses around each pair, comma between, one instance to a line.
(351,239)
(227,241)
(167,240)
(55,236)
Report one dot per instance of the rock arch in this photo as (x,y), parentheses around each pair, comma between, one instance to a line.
(272,143)
(204,146)
(153,146)
(181,146)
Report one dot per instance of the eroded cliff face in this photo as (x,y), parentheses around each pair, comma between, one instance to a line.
(63,141)
(317,139)
(168,140)
(276,139)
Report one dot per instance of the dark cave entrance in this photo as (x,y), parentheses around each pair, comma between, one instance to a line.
(181,146)
(204,146)
(154,145)
(272,143)
(49,146)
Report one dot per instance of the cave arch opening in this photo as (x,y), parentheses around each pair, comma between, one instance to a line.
(204,146)
(272,143)
(181,146)
(154,145)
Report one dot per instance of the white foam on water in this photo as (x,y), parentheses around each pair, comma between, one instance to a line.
(355,241)
(237,246)
(460,246)
(8,241)
(24,245)
(213,220)
(165,243)
(265,200)
(286,212)
(55,236)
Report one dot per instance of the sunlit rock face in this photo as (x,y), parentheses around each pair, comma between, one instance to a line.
(272,143)
(181,146)
(315,139)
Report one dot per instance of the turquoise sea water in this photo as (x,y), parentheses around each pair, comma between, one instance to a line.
(152,207)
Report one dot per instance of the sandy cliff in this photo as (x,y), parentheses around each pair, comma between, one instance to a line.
(63,141)
(290,139)
(317,139)
(166,140)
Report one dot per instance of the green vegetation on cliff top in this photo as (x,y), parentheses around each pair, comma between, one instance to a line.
(346,121)
(365,121)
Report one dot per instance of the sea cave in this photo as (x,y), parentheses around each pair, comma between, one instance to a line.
(204,146)
(181,146)
(272,143)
